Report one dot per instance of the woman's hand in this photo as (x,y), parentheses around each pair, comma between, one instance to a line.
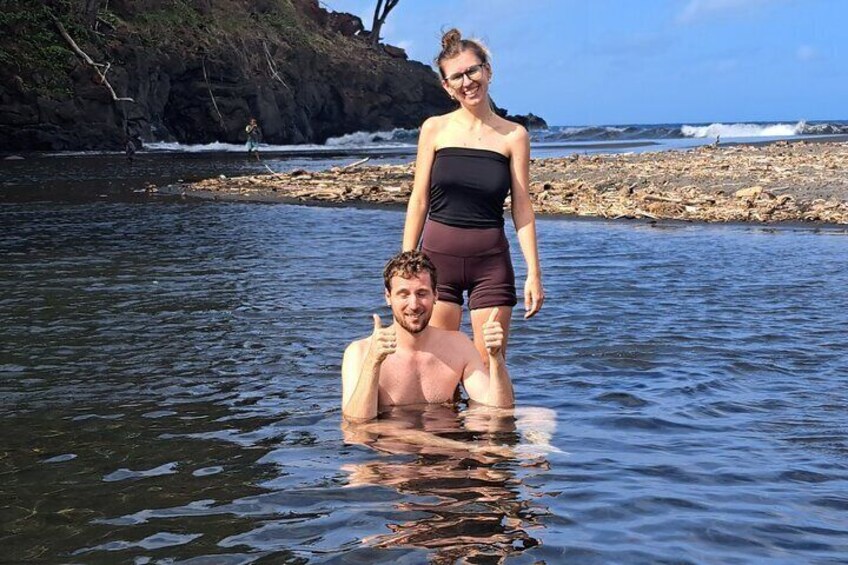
(534,295)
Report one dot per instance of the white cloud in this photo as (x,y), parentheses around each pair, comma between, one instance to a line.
(697,10)
(806,53)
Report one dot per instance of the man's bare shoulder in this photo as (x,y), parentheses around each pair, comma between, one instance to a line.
(358,346)
(361,343)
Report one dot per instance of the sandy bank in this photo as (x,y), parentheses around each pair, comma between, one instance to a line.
(780,182)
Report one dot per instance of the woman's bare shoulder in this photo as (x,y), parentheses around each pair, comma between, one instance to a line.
(429,132)
(435,124)
(511,130)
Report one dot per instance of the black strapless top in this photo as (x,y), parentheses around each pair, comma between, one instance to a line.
(468,187)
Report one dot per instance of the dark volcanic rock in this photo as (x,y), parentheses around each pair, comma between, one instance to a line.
(529,121)
(344,23)
(198,75)
(395,52)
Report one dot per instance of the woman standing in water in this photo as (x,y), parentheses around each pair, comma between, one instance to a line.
(468,162)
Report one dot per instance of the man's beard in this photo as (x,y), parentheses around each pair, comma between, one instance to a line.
(423,322)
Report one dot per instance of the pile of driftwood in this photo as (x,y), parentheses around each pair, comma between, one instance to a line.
(768,183)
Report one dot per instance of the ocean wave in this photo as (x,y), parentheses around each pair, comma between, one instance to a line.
(606,133)
(743,130)
(839,128)
(400,140)
(173,146)
(220,147)
(557,134)
(394,138)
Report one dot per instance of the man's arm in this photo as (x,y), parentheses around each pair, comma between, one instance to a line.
(494,388)
(361,373)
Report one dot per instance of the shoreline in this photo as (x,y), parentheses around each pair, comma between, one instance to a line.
(201,196)
(798,182)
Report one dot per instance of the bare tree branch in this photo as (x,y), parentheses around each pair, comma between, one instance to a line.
(96,66)
(381,12)
(272,67)
(212,96)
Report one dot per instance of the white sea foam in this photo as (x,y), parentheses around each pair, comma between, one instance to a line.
(397,137)
(743,130)
(403,141)
(576,130)
(220,147)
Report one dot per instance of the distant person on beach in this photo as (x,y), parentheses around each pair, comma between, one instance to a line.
(254,136)
(411,362)
(130,149)
(468,162)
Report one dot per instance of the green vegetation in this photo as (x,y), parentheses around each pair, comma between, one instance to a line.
(284,24)
(229,27)
(181,24)
(108,17)
(178,24)
(32,48)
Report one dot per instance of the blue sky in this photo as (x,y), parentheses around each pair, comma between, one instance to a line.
(593,62)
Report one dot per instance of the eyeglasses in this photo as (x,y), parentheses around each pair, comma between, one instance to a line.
(474,73)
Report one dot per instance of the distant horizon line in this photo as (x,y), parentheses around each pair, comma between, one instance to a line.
(692,122)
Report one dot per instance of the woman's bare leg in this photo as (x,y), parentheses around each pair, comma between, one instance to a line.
(446,315)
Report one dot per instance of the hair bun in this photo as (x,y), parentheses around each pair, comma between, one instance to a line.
(451,38)
(453,45)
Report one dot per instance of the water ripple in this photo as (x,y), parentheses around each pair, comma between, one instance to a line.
(169,391)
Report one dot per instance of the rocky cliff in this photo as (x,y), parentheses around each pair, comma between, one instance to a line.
(195,71)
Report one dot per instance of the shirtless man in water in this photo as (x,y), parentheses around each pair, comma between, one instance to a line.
(410,362)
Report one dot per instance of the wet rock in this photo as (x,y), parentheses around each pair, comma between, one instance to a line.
(723,184)
(749,193)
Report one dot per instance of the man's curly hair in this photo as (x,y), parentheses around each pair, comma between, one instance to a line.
(407,265)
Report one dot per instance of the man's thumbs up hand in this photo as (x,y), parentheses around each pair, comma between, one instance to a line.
(383,340)
(493,334)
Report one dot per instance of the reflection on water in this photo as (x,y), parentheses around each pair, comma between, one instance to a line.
(109,177)
(462,496)
(169,393)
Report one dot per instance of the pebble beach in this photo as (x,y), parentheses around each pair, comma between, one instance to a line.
(800,181)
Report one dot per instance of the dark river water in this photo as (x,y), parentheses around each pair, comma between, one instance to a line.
(169,393)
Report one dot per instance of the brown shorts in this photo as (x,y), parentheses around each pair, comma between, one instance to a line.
(475,260)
